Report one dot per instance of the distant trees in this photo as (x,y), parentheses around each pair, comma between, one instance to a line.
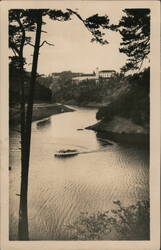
(82,93)
(134,28)
(42,92)
(87,91)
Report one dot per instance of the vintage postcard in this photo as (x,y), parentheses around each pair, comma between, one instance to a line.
(80,125)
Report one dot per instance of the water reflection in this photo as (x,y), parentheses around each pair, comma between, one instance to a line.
(103,141)
(132,140)
(43,124)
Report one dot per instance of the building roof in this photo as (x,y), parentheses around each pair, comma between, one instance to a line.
(106,71)
(88,75)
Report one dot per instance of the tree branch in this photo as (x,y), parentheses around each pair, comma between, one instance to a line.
(30,44)
(75,13)
(94,31)
(13,47)
(23,35)
(14,51)
(141,63)
(46,43)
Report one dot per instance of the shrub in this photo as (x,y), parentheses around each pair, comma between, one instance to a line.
(127,223)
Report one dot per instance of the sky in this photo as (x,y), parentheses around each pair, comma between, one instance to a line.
(72,48)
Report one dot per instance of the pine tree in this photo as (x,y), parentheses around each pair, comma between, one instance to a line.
(134,28)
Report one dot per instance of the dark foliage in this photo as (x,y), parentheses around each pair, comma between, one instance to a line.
(14,86)
(88,91)
(134,28)
(134,104)
(42,93)
(82,93)
(125,223)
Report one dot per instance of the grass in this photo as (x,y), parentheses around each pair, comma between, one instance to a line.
(40,111)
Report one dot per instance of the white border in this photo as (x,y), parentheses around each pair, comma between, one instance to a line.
(153,244)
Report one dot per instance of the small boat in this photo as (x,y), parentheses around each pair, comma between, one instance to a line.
(66,153)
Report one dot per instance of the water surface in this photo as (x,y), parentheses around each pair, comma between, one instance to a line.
(59,189)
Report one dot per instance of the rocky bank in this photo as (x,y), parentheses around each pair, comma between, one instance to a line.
(122,130)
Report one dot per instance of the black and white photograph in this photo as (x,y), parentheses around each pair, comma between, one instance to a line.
(81,106)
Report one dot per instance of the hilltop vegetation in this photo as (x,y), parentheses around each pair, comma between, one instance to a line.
(124,96)
(86,91)
(133,104)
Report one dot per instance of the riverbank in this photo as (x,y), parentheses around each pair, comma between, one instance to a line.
(40,111)
(120,129)
(86,105)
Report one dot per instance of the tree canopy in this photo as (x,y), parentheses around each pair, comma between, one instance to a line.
(134,28)
(22,21)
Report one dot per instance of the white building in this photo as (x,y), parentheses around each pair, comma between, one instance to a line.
(105,74)
(84,78)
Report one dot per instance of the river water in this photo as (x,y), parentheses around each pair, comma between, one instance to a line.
(60,189)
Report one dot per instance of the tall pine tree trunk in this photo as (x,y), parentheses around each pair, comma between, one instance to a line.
(23,220)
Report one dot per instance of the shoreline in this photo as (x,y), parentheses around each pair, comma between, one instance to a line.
(87,105)
(122,130)
(40,111)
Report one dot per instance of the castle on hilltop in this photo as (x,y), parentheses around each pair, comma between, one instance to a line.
(103,74)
